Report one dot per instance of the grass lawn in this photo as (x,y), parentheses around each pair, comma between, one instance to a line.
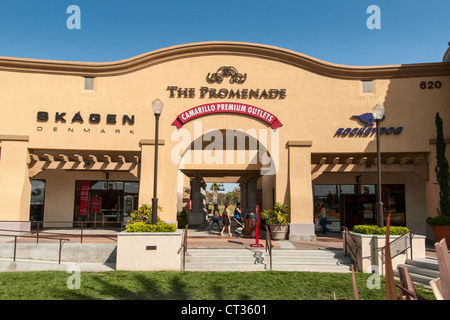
(168,285)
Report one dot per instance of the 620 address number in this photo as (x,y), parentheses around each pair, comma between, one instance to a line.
(430,85)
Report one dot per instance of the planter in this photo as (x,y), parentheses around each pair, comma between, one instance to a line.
(278,231)
(149,251)
(441,232)
(369,253)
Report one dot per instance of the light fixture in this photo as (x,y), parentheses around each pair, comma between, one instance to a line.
(157,106)
(378,112)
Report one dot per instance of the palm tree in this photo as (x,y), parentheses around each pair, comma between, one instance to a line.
(214,188)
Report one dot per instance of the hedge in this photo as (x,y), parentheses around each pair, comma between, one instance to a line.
(147,227)
(372,229)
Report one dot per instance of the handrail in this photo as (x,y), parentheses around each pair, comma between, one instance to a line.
(411,235)
(269,245)
(357,246)
(184,247)
(23,236)
(81,234)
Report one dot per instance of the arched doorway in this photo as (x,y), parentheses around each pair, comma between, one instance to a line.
(227,156)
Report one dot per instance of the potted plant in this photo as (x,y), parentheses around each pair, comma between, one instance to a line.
(277,221)
(441,223)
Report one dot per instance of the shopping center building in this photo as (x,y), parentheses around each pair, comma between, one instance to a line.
(78,139)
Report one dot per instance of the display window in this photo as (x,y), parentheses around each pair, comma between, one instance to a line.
(37,200)
(100,201)
(350,205)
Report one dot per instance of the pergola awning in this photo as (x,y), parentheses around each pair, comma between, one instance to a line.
(40,160)
(367,162)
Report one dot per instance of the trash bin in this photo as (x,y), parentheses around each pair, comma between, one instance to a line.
(250,225)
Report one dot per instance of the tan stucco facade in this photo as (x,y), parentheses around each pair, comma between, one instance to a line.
(108,133)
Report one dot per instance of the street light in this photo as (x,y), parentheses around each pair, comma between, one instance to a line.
(378,114)
(157,107)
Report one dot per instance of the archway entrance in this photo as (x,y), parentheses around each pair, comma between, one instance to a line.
(226,156)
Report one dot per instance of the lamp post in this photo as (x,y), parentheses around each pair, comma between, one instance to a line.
(378,114)
(157,107)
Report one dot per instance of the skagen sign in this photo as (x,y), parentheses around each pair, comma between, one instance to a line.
(62,118)
(225,107)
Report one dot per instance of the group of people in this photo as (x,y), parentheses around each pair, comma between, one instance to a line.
(320,217)
(226,218)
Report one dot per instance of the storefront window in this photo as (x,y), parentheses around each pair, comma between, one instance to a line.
(102,201)
(355,204)
(394,202)
(37,200)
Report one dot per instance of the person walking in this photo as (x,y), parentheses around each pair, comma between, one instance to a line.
(321,213)
(215,217)
(226,220)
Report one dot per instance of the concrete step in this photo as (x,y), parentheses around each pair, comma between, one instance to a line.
(427,263)
(259,260)
(422,271)
(7,265)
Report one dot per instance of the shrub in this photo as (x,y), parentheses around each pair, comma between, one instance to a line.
(143,214)
(182,219)
(141,221)
(276,216)
(373,229)
(147,227)
(440,220)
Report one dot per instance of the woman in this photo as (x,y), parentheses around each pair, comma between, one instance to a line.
(226,220)
(215,217)
(321,213)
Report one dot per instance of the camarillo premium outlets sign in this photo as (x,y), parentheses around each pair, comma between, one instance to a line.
(223,107)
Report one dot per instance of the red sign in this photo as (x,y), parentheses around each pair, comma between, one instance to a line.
(84,197)
(96,204)
(227,107)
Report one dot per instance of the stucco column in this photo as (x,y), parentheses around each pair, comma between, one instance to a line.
(300,191)
(251,195)
(244,198)
(15,183)
(197,216)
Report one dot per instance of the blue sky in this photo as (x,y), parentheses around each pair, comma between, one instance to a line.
(411,31)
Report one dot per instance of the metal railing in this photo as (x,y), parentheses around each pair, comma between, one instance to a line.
(184,247)
(25,236)
(269,246)
(38,230)
(399,246)
(354,247)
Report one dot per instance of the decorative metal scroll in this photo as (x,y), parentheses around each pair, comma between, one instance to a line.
(235,76)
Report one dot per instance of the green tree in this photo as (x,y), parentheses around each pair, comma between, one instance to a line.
(442,169)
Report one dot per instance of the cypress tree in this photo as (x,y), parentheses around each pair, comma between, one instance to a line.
(442,169)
